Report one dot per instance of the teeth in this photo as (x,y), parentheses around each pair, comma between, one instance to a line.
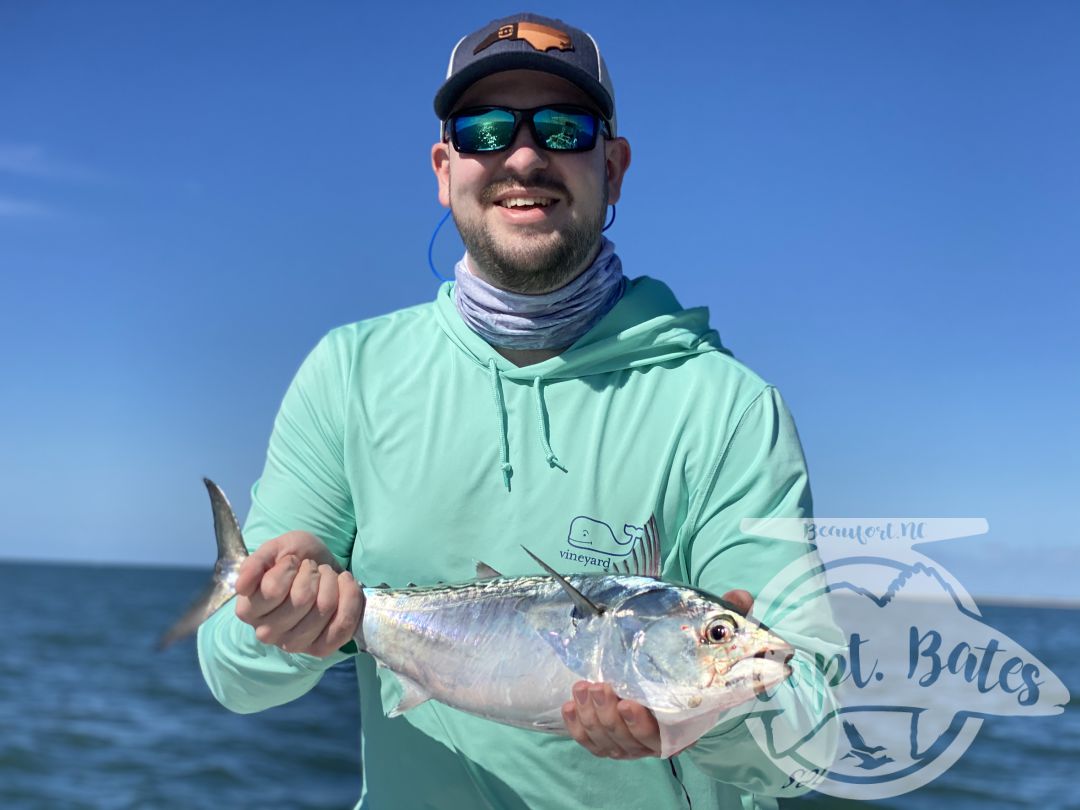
(515,202)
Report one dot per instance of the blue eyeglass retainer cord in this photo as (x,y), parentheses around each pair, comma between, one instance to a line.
(431,247)
(446,216)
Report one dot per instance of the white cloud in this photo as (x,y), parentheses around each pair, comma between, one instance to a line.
(32,160)
(10,207)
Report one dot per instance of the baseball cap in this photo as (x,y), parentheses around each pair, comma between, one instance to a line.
(528,42)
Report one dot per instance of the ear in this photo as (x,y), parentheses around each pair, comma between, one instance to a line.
(440,164)
(617,161)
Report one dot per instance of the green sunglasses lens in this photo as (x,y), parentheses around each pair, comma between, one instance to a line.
(564,131)
(557,129)
(486,131)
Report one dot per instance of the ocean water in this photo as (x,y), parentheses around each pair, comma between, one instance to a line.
(92,717)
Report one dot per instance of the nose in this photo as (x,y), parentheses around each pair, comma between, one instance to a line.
(524,156)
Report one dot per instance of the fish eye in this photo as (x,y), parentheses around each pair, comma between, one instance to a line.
(720,630)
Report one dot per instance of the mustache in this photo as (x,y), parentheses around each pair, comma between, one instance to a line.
(539,182)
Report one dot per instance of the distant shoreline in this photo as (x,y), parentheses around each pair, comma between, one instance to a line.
(1028,602)
(1048,603)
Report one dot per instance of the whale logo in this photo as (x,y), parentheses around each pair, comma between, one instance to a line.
(595,535)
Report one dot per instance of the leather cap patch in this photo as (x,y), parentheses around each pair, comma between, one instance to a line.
(541,37)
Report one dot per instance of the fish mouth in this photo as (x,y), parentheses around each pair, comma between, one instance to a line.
(779,652)
(755,673)
(777,670)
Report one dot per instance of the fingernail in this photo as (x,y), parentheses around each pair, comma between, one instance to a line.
(581,694)
(600,697)
(627,716)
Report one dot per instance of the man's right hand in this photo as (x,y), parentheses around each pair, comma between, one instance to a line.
(295,595)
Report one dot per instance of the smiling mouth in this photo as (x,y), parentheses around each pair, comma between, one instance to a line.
(525,203)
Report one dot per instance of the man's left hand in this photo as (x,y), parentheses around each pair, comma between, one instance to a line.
(609,727)
(620,729)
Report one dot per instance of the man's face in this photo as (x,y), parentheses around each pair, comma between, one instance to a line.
(537,248)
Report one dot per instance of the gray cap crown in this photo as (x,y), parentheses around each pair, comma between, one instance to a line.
(528,42)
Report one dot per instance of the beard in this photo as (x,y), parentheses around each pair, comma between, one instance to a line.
(537,263)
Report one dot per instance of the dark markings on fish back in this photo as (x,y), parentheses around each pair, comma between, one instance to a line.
(467,589)
(522,585)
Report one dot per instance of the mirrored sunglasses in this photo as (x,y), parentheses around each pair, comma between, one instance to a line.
(557,128)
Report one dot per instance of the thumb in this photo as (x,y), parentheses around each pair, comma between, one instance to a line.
(741,600)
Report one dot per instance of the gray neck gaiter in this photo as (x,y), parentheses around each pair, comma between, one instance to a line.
(551,320)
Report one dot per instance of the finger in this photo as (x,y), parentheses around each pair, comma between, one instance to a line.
(605,703)
(576,729)
(741,600)
(255,567)
(271,591)
(586,711)
(318,616)
(307,546)
(345,624)
(642,725)
(273,626)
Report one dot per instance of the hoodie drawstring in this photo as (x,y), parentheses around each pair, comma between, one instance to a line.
(545,443)
(500,414)
(542,430)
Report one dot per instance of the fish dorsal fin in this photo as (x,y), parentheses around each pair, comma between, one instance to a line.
(584,605)
(485,571)
(645,553)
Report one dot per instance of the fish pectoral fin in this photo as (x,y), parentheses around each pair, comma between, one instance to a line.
(554,726)
(412,695)
(485,571)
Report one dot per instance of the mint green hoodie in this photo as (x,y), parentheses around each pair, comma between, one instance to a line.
(413,449)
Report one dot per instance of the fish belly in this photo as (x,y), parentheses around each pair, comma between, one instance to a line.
(481,649)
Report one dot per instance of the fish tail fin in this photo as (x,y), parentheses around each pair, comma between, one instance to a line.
(222,586)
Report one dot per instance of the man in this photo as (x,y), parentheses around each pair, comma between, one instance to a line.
(540,393)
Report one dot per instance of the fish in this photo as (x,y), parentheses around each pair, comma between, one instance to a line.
(510,648)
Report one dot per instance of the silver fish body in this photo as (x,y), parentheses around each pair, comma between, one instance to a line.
(509,649)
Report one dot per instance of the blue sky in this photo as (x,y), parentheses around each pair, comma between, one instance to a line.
(879,202)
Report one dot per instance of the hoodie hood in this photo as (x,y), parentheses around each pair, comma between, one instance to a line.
(645,328)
